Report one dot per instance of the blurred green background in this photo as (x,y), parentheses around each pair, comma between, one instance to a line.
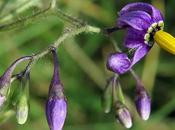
(82,64)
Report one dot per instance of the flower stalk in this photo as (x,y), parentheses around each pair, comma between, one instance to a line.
(107,97)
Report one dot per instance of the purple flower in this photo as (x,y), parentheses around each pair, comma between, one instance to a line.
(56,106)
(142,21)
(123,115)
(6,78)
(143,102)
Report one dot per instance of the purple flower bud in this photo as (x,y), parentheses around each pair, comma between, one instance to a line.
(56,106)
(143,102)
(123,115)
(6,78)
(56,110)
(118,63)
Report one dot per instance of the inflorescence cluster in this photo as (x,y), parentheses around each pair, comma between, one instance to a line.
(144,25)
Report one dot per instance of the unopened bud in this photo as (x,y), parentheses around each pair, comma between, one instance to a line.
(56,110)
(56,106)
(123,115)
(143,102)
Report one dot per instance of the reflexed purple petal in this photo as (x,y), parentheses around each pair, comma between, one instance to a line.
(56,110)
(140,53)
(139,20)
(134,38)
(143,103)
(118,63)
(6,78)
(155,13)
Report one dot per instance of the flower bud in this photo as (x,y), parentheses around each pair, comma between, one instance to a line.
(6,78)
(143,102)
(56,106)
(118,63)
(56,110)
(123,115)
(22,104)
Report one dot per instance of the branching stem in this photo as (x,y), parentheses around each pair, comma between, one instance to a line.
(78,27)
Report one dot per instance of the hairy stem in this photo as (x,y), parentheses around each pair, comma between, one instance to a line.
(24,21)
(63,37)
(51,10)
(24,6)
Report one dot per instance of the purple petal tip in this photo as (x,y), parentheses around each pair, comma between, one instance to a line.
(56,110)
(143,104)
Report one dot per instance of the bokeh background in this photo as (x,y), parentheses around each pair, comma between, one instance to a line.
(82,64)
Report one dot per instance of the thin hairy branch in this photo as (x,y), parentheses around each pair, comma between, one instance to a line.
(25,20)
(61,39)
(64,36)
(51,10)
(22,7)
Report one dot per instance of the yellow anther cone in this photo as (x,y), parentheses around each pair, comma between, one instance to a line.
(165,41)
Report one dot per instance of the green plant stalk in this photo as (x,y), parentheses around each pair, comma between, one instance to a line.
(25,20)
(51,10)
(18,10)
(107,97)
(64,36)
(120,94)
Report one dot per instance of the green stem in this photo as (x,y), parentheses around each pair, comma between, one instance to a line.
(120,94)
(66,35)
(51,10)
(114,94)
(61,39)
(24,21)
(68,18)
(18,10)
